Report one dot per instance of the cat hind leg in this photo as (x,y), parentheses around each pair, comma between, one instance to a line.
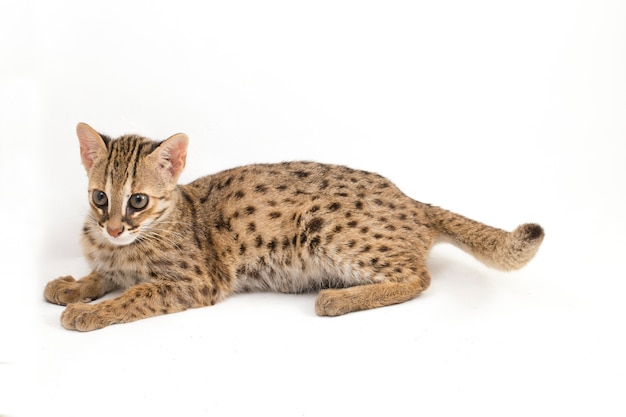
(336,302)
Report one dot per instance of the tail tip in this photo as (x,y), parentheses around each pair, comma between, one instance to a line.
(530,232)
(525,242)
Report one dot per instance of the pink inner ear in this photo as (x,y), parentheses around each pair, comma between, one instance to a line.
(91,144)
(86,156)
(175,152)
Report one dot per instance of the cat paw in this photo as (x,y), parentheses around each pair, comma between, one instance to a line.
(64,291)
(332,303)
(81,317)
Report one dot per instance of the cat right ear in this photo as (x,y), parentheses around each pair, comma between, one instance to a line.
(91,144)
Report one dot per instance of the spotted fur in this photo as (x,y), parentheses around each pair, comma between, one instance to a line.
(289,227)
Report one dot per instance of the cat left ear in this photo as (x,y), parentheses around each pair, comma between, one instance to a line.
(91,144)
(172,154)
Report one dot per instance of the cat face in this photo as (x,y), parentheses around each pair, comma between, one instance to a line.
(125,206)
(130,183)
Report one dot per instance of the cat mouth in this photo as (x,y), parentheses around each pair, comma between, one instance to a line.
(121,239)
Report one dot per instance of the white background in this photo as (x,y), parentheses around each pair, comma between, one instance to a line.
(504,111)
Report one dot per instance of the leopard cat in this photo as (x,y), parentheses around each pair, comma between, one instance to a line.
(291,227)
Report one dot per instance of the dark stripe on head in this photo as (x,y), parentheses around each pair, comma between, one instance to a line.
(140,151)
(110,157)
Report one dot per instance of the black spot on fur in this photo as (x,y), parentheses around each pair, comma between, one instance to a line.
(259,241)
(225,183)
(275,215)
(251,227)
(260,188)
(242,249)
(378,202)
(250,210)
(301,174)
(281,187)
(334,206)
(315,208)
(315,225)
(324,184)
(352,223)
(358,205)
(272,245)
(221,222)
(205,291)
(313,244)
(384,249)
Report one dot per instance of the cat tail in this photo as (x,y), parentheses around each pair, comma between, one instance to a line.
(494,247)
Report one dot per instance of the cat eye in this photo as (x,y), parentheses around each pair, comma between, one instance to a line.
(100,198)
(138,201)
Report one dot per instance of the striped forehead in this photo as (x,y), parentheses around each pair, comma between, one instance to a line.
(124,156)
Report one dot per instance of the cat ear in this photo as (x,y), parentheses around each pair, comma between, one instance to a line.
(172,154)
(91,144)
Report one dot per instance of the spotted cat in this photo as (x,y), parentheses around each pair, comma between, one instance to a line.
(289,227)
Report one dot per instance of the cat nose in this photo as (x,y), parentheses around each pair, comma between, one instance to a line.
(115,232)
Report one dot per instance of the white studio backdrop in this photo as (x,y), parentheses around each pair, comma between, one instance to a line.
(506,112)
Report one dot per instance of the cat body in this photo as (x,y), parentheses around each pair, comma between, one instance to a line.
(289,227)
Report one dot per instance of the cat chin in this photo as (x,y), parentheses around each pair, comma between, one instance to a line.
(120,240)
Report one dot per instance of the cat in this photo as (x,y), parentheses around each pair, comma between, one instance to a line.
(290,227)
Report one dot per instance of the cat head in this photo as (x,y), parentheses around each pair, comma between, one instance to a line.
(131,179)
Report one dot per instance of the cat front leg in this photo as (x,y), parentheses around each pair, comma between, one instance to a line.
(139,302)
(67,290)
